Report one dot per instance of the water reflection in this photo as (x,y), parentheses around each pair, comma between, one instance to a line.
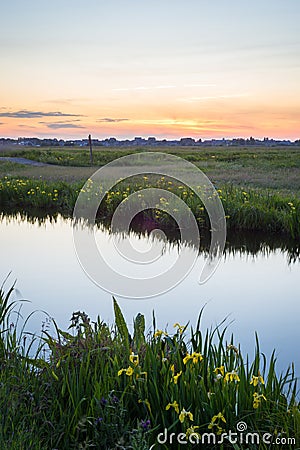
(237,243)
(256,284)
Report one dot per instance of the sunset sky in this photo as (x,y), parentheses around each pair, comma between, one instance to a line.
(164,68)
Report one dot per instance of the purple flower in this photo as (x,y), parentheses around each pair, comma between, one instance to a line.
(114,399)
(145,424)
(98,421)
(103,401)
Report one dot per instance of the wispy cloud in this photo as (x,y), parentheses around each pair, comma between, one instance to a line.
(199,85)
(110,120)
(1,123)
(25,114)
(145,88)
(211,97)
(60,125)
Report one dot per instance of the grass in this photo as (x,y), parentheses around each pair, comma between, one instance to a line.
(246,209)
(273,168)
(96,386)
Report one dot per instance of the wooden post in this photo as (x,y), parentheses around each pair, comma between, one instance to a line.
(91,149)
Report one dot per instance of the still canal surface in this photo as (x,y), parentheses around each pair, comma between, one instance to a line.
(256,286)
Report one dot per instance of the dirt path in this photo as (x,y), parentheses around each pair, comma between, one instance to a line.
(25,161)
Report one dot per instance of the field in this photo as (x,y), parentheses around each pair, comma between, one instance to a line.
(275,168)
(259,186)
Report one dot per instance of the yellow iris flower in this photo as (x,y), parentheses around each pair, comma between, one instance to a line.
(257,380)
(257,398)
(134,359)
(173,405)
(185,414)
(194,356)
(175,377)
(231,376)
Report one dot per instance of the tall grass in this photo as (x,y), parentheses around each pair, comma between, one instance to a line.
(245,209)
(95,386)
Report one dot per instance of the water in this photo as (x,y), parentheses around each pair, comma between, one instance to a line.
(256,286)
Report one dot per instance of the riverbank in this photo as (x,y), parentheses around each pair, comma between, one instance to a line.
(124,388)
(246,209)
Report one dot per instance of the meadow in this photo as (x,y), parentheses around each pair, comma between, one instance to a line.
(259,187)
(98,386)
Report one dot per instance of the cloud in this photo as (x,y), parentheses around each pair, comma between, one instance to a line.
(145,88)
(211,97)
(1,123)
(25,114)
(110,120)
(58,125)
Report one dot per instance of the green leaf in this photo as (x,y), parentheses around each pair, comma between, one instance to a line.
(139,331)
(121,324)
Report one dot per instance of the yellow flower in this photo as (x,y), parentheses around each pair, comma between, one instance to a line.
(231,376)
(175,377)
(180,327)
(129,371)
(232,347)
(134,358)
(220,370)
(173,405)
(257,398)
(159,333)
(257,380)
(194,356)
(185,414)
(191,431)
(215,423)
(218,417)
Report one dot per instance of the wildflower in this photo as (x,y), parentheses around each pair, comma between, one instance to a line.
(215,423)
(257,380)
(185,414)
(173,405)
(98,421)
(194,356)
(231,376)
(134,359)
(220,370)
(115,399)
(232,347)
(191,431)
(129,371)
(159,333)
(145,425)
(218,417)
(103,401)
(257,398)
(180,327)
(175,377)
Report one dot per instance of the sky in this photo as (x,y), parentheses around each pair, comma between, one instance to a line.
(164,68)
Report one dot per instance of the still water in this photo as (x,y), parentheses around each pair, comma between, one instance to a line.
(256,286)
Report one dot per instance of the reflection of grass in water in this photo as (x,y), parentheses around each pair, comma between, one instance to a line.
(102,387)
(245,208)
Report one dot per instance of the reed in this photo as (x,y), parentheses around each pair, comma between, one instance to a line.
(96,386)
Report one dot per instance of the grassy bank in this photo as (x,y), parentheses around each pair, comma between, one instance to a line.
(246,209)
(99,387)
(264,167)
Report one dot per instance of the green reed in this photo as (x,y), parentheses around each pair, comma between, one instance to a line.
(96,386)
